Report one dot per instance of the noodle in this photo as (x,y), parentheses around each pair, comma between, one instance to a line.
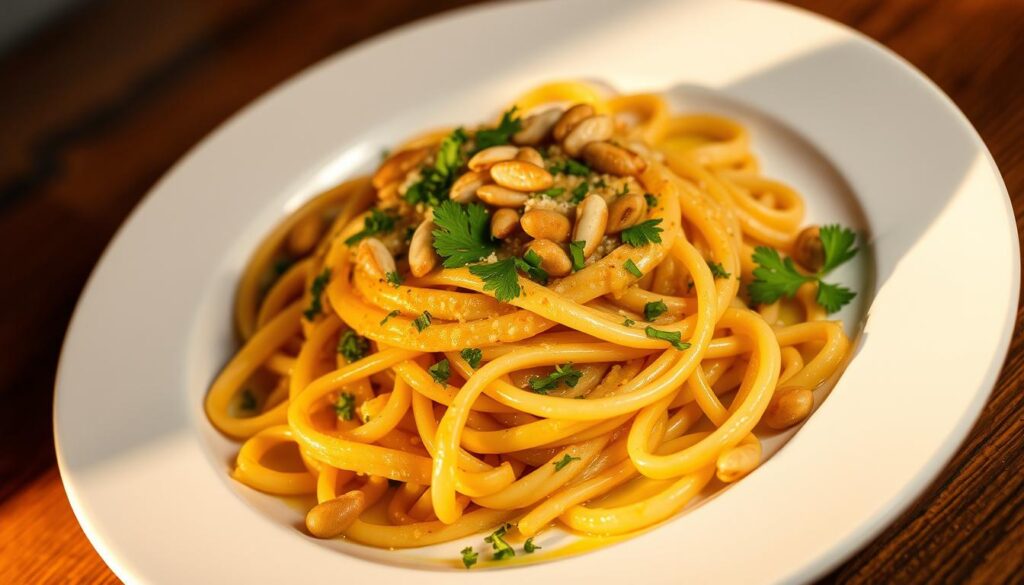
(507,387)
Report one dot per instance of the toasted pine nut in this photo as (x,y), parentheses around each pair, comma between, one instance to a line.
(504,222)
(553,258)
(489,156)
(521,176)
(333,517)
(499,196)
(625,211)
(422,257)
(537,127)
(592,129)
(605,157)
(375,258)
(808,250)
(464,188)
(530,155)
(544,224)
(569,119)
(738,461)
(398,165)
(591,221)
(789,405)
(305,235)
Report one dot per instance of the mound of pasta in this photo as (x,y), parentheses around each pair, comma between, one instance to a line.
(582,314)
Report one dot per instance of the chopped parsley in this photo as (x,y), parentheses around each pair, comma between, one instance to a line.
(316,290)
(352,346)
(531,266)
(565,460)
(472,356)
(651,200)
(629,322)
(642,233)
(436,180)
(469,556)
(632,268)
(393,278)
(388,317)
(776,277)
(345,408)
(440,372)
(569,167)
(500,277)
(422,322)
(377,222)
(717,270)
(509,125)
(463,233)
(579,192)
(553,192)
(529,547)
(564,373)
(673,337)
(576,253)
(502,550)
(654,309)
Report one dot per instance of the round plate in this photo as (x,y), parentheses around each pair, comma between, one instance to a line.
(831,113)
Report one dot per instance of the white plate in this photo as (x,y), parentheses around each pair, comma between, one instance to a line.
(832,113)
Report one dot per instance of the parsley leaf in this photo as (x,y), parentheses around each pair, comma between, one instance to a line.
(580,192)
(837,242)
(629,322)
(377,222)
(530,264)
(569,167)
(564,373)
(316,290)
(632,268)
(440,372)
(345,408)
(509,125)
(654,309)
(642,233)
(502,550)
(433,187)
(388,317)
(469,556)
(553,192)
(832,297)
(774,277)
(529,547)
(352,346)
(651,200)
(717,270)
(463,233)
(500,277)
(423,321)
(472,356)
(394,279)
(576,253)
(672,337)
(565,460)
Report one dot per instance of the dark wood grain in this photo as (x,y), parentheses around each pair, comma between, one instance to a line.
(96,107)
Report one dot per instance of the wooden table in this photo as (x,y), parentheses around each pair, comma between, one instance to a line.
(96,107)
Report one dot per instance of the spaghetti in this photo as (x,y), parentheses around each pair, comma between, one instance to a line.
(581,314)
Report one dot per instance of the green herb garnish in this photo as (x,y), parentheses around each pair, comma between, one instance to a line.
(509,125)
(565,460)
(576,253)
(463,233)
(388,317)
(469,556)
(316,290)
(654,309)
(632,268)
(377,222)
(423,321)
(393,278)
(673,337)
(717,270)
(436,180)
(440,372)
(352,346)
(502,550)
(529,547)
(564,374)
(642,233)
(472,356)
(345,408)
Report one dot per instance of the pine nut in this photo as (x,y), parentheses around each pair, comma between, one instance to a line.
(544,224)
(504,222)
(591,221)
(808,250)
(489,156)
(605,157)
(464,188)
(738,461)
(422,257)
(499,196)
(521,176)
(592,129)
(569,119)
(553,258)
(333,517)
(530,155)
(305,235)
(537,128)
(625,211)
(789,405)
(375,258)
(398,165)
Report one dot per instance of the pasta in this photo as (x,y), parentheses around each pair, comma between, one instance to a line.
(581,314)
